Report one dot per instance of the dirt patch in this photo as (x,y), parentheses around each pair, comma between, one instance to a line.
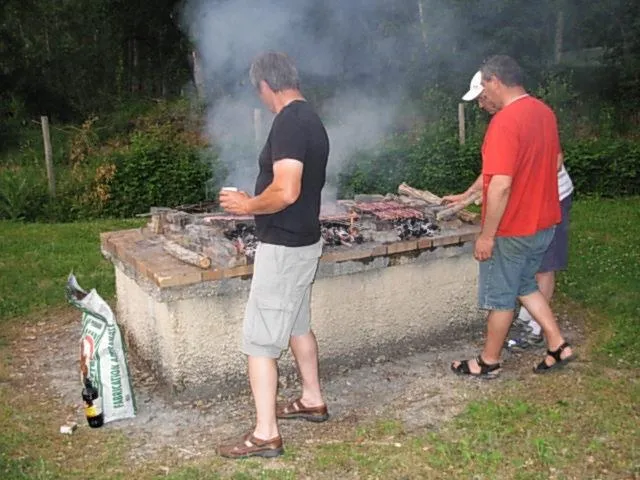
(418,391)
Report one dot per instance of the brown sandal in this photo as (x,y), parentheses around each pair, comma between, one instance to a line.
(250,446)
(296,410)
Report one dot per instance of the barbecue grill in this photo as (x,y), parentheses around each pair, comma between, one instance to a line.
(230,240)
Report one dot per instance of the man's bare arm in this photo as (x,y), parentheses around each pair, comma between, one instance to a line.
(282,192)
(497,197)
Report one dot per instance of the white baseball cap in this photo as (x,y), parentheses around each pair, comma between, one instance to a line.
(475,87)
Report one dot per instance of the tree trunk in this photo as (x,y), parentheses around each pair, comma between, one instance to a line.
(462,136)
(135,60)
(423,26)
(559,36)
(198,74)
(47,43)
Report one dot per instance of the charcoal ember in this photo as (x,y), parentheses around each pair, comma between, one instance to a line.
(244,239)
(335,234)
(415,228)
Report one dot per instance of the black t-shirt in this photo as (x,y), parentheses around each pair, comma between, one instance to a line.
(297,133)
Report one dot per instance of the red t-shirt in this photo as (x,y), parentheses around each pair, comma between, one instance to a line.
(522,142)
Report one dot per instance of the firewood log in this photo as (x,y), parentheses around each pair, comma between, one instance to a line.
(185,255)
(425,195)
(432,199)
(456,208)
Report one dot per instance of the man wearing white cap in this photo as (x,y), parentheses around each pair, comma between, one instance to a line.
(557,255)
(520,210)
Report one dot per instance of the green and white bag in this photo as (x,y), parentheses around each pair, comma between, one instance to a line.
(102,354)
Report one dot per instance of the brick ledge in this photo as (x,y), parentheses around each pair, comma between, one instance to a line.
(143,252)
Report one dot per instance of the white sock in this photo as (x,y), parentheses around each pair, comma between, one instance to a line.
(535,327)
(525,316)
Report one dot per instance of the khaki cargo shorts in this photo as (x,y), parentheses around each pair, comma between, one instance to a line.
(279,300)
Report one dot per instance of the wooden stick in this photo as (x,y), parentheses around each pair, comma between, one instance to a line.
(456,208)
(186,255)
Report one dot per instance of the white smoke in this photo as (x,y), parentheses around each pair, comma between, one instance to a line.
(229,34)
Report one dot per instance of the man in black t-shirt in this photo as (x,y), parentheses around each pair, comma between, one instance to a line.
(286,206)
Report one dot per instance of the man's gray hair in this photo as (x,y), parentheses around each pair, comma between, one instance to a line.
(504,68)
(277,69)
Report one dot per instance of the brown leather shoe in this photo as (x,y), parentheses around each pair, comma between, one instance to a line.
(295,410)
(250,446)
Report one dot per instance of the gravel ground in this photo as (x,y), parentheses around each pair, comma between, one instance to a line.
(417,390)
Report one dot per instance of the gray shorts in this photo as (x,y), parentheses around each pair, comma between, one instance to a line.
(279,300)
(557,255)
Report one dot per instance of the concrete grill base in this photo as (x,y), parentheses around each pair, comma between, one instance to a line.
(369,302)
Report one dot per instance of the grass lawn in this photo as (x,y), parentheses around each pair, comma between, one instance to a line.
(584,424)
(37,258)
(604,274)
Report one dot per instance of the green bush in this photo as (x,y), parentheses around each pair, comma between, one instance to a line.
(24,196)
(156,171)
(375,171)
(605,167)
(443,165)
(114,166)
(23,189)
(438,164)
(151,171)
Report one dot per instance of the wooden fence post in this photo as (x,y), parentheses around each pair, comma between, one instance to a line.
(257,127)
(48,155)
(198,75)
(461,125)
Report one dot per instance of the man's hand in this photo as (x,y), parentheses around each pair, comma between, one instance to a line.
(234,202)
(484,248)
(453,199)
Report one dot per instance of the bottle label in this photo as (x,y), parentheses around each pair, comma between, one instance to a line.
(91,411)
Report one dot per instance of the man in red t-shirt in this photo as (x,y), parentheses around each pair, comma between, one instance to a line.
(520,159)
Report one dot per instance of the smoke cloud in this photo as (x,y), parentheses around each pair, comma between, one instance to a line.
(331,39)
